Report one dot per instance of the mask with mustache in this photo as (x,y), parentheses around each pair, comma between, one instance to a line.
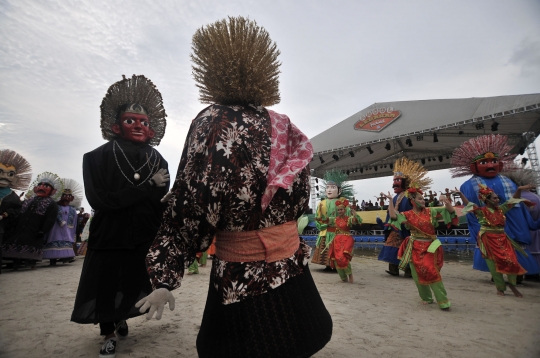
(487,168)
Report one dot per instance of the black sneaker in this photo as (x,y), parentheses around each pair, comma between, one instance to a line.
(108,350)
(121,329)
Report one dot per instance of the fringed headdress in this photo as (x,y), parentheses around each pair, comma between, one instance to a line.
(484,192)
(412,171)
(482,147)
(23,169)
(51,179)
(75,189)
(338,178)
(141,96)
(521,176)
(235,62)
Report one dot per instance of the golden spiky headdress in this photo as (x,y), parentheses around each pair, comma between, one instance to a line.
(135,92)
(23,169)
(72,187)
(51,179)
(235,62)
(413,173)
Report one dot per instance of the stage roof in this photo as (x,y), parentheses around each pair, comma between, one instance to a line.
(394,129)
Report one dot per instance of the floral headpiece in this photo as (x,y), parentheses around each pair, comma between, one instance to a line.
(343,203)
(484,192)
(483,147)
(412,190)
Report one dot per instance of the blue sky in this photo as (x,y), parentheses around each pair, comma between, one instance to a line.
(57,59)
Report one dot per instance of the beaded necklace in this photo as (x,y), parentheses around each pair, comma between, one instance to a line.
(136,175)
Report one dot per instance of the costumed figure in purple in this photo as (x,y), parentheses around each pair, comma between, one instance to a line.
(59,241)
(522,176)
(243,178)
(485,157)
(403,168)
(124,181)
(38,214)
(15,174)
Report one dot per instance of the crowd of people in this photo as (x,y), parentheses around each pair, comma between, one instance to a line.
(242,183)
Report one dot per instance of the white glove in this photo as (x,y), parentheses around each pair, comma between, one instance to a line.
(161,178)
(156,302)
(62,223)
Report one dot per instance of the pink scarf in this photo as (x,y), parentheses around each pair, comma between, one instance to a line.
(291,152)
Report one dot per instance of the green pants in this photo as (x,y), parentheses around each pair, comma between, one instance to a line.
(343,273)
(203,258)
(498,277)
(425,290)
(194,267)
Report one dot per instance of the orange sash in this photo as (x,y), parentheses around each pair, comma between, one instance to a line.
(270,244)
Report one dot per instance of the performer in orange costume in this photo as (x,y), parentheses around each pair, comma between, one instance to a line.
(497,248)
(422,250)
(341,251)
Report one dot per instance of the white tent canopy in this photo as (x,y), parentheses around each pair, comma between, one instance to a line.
(426,130)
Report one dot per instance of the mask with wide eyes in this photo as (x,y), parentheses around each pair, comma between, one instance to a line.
(130,121)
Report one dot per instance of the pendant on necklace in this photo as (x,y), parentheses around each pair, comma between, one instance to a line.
(136,176)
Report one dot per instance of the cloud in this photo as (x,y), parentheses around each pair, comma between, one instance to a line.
(526,56)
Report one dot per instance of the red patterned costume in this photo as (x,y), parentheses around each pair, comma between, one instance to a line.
(427,265)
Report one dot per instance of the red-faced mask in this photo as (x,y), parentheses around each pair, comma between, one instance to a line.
(44,190)
(487,167)
(397,184)
(134,127)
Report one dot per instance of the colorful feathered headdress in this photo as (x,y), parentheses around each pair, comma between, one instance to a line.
(413,172)
(482,147)
(23,170)
(338,178)
(343,203)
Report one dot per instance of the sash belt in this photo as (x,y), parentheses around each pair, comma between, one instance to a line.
(269,244)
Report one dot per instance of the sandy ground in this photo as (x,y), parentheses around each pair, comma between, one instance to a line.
(377,316)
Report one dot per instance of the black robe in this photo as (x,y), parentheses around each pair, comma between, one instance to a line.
(26,239)
(127,217)
(10,204)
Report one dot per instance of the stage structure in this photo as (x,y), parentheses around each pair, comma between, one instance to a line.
(366,144)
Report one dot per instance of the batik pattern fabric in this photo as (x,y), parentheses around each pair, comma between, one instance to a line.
(221,179)
(422,247)
(493,242)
